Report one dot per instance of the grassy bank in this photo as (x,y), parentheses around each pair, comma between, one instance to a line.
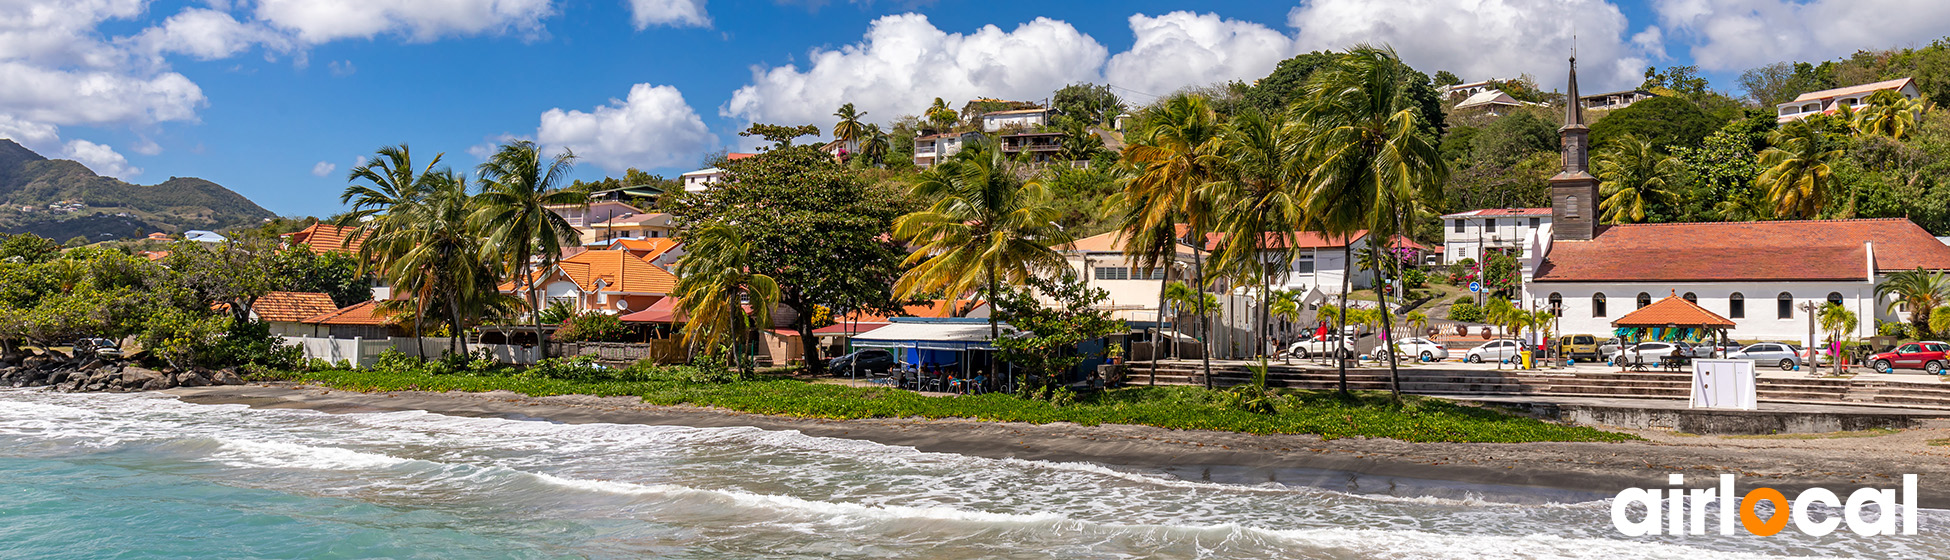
(1192,408)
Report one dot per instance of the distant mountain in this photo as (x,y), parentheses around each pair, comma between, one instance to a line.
(60,199)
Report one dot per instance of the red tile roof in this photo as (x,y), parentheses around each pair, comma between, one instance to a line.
(1500,213)
(1675,311)
(363,313)
(647,249)
(1807,250)
(1112,242)
(1295,240)
(618,270)
(292,307)
(663,311)
(327,238)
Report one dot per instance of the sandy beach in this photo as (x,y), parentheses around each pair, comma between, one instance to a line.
(1784,462)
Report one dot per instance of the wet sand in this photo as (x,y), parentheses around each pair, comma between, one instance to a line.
(1586,470)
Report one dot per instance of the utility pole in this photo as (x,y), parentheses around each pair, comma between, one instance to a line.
(1808,308)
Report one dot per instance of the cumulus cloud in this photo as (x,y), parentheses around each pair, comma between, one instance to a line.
(1738,34)
(1482,39)
(654,127)
(1178,49)
(205,35)
(904,61)
(421,20)
(645,13)
(323,168)
(100,158)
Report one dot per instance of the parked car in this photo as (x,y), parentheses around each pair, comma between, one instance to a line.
(1769,354)
(1495,350)
(871,360)
(1421,349)
(1320,346)
(1650,352)
(1926,356)
(1580,347)
(1610,346)
(97,347)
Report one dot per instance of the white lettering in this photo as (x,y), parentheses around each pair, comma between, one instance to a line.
(1729,508)
(1803,515)
(1675,502)
(1647,526)
(1885,523)
(1909,504)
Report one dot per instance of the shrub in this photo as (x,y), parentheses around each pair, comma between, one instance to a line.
(1414,278)
(1895,329)
(392,361)
(252,345)
(577,368)
(1466,312)
(593,327)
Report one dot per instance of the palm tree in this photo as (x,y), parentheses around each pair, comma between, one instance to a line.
(1890,114)
(383,209)
(1837,321)
(1175,153)
(1796,170)
(874,145)
(1632,174)
(849,130)
(1181,297)
(1920,290)
(719,293)
(1258,198)
(1749,205)
(984,226)
(447,261)
(940,116)
(1286,305)
(519,194)
(1370,156)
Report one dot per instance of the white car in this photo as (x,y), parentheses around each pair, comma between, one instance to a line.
(1495,350)
(1320,346)
(1650,352)
(1421,349)
(1769,354)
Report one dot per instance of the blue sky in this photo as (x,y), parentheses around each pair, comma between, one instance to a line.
(277,98)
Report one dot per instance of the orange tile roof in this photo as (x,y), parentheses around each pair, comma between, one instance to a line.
(618,270)
(648,248)
(326,238)
(292,307)
(1673,310)
(362,313)
(1297,239)
(1774,251)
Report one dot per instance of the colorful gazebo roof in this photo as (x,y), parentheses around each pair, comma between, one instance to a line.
(1674,311)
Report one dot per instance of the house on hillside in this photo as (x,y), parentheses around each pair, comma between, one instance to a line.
(1830,101)
(934,148)
(204,236)
(1764,276)
(1461,91)
(702,179)
(584,217)
(1101,261)
(1492,102)
(998,121)
(1042,147)
(633,226)
(660,251)
(1614,100)
(611,281)
(324,238)
(1467,235)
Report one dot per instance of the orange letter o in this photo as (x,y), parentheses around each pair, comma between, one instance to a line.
(1775,523)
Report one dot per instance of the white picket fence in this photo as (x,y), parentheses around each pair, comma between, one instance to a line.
(363,352)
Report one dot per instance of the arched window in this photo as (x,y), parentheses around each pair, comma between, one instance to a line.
(1835,298)
(1598,304)
(1784,305)
(1644,300)
(1690,297)
(1736,306)
(1557,304)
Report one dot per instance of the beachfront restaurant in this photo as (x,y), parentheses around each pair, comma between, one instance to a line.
(947,355)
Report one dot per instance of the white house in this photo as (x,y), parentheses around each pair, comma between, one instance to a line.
(934,148)
(701,179)
(1832,100)
(1100,260)
(1614,100)
(1022,118)
(1465,235)
(1466,90)
(586,217)
(1488,102)
(1758,274)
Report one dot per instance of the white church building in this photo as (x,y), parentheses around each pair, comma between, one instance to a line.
(1759,274)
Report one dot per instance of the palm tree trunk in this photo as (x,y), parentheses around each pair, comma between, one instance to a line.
(1164,280)
(419,321)
(534,308)
(1205,342)
(459,342)
(1347,272)
(1394,370)
(995,330)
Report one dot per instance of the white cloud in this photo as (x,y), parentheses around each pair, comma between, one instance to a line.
(341,68)
(904,62)
(95,96)
(654,127)
(100,158)
(645,13)
(1482,39)
(323,168)
(1179,49)
(358,160)
(1739,34)
(318,21)
(205,35)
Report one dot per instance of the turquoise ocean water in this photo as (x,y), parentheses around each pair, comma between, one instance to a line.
(146,476)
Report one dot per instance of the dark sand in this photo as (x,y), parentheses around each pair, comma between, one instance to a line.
(1585,470)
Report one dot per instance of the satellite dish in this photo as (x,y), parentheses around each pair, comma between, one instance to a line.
(623,304)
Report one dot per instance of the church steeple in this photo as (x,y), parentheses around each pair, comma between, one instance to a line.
(1574,192)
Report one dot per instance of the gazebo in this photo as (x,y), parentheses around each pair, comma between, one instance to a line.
(1672,319)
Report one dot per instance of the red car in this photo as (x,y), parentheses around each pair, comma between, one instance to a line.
(1927,356)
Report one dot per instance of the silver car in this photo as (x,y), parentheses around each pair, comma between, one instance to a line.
(1496,350)
(1769,354)
(1649,352)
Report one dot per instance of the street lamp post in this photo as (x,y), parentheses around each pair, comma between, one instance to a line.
(1808,308)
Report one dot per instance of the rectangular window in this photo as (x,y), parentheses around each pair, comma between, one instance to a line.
(1113,273)
(1305,265)
(1533,223)
(1459,226)
(1784,308)
(1737,309)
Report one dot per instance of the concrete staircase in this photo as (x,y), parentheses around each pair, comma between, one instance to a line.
(1436,380)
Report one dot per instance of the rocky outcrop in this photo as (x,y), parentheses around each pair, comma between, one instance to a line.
(98,375)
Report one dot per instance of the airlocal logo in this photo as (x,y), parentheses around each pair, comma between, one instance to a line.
(1678,519)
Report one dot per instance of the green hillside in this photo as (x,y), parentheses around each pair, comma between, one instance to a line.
(61,199)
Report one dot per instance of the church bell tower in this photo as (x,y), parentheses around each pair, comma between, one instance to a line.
(1574,192)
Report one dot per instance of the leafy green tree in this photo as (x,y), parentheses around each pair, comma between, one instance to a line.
(1634,177)
(1173,154)
(1779,82)
(1078,143)
(1798,170)
(780,136)
(1514,137)
(28,248)
(1890,114)
(593,327)
(813,226)
(1723,169)
(1919,290)
(1370,155)
(1046,349)
(1663,121)
(234,274)
(874,145)
(520,189)
(1683,81)
(1273,93)
(939,115)
(723,298)
(1444,78)
(984,226)
(1087,103)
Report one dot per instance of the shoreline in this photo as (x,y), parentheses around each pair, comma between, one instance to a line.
(1587,469)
